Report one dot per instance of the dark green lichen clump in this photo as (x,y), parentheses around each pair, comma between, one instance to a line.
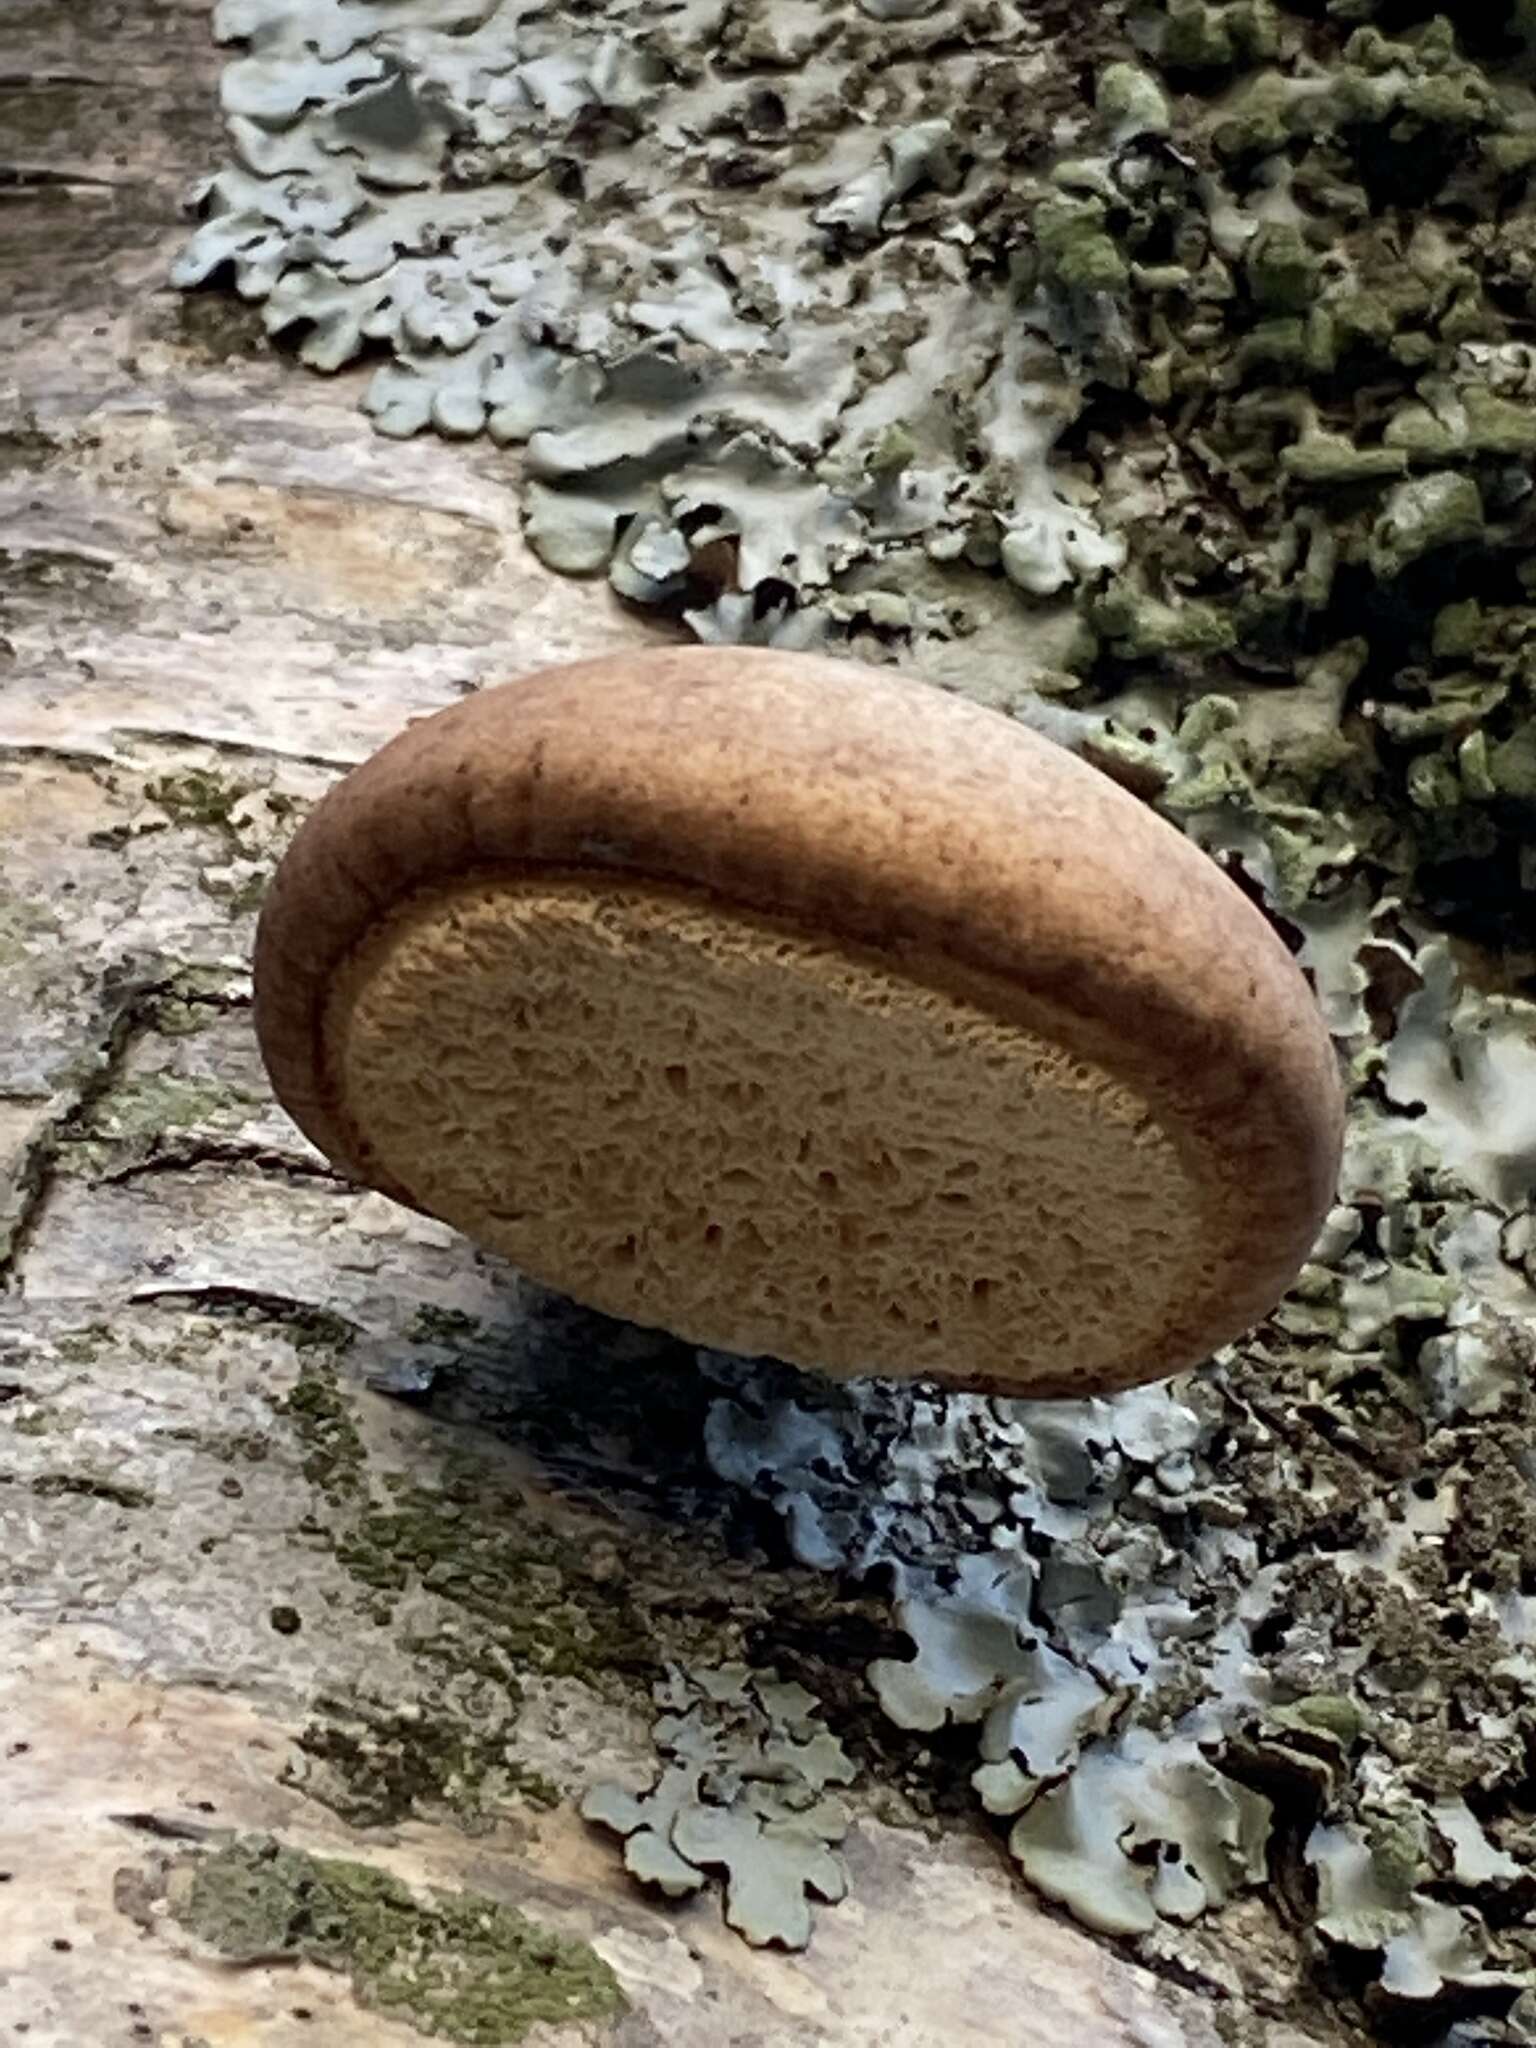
(1323,287)
(333,1458)
(495,1592)
(513,1598)
(448,1754)
(530,1592)
(457,1965)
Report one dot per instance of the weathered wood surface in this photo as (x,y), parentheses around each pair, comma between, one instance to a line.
(219,589)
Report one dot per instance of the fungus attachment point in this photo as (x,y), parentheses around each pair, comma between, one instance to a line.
(799,1008)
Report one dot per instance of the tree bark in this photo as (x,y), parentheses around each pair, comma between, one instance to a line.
(220,589)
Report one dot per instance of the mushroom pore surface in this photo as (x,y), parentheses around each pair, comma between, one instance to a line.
(758,1138)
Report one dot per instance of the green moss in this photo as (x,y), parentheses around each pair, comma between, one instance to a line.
(534,1787)
(1417,431)
(82,1347)
(1512,765)
(28,446)
(1197,38)
(186,1016)
(378,1764)
(1433,784)
(1201,37)
(334,1458)
(523,1585)
(311,1329)
(154,1103)
(27,928)
(1429,512)
(1398,1849)
(199,797)
(459,1966)
(1275,345)
(450,1750)
(37,1422)
(242,898)
(432,1325)
(1137,627)
(194,999)
(218,327)
(1260,120)
(512,1596)
(92,1486)
(1331,1714)
(1322,458)
(1076,251)
(1483,424)
(248,1446)
(1368,320)
(1497,426)
(891,451)
(1510,154)
(1131,102)
(1282,271)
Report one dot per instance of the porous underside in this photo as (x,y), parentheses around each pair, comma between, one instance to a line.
(760,1139)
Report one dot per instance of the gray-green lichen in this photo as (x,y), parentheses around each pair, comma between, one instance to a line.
(1281,269)
(457,1966)
(742,1789)
(1275,1591)
(704,385)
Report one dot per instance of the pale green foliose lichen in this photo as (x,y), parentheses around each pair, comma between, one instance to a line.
(742,1790)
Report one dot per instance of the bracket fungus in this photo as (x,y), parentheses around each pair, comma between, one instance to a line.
(806,1010)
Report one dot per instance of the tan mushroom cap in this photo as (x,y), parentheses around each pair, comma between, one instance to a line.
(803,1009)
